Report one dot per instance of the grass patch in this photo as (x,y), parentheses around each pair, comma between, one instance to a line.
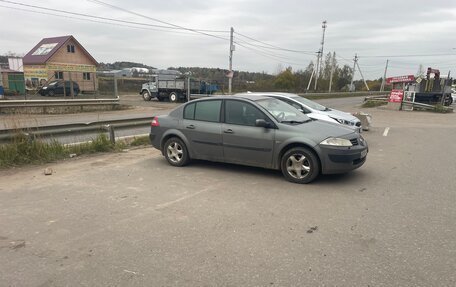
(139,141)
(373,104)
(24,150)
(442,109)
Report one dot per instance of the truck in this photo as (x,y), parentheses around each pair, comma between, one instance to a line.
(174,89)
(427,90)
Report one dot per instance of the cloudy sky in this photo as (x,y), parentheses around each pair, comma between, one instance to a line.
(408,33)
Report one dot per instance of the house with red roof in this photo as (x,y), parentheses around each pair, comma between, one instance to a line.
(60,58)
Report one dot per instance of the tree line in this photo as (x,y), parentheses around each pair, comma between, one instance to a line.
(287,80)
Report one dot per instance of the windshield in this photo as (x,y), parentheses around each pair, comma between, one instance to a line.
(310,104)
(53,83)
(283,112)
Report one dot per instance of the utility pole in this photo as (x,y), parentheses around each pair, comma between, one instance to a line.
(1,84)
(333,67)
(355,60)
(384,77)
(311,76)
(320,54)
(362,77)
(230,78)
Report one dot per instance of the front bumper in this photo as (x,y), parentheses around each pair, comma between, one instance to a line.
(341,160)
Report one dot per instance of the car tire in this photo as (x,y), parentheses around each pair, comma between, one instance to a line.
(176,152)
(146,96)
(173,97)
(51,93)
(300,165)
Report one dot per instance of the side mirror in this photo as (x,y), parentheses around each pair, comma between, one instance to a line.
(262,123)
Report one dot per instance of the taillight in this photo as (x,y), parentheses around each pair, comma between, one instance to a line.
(154,122)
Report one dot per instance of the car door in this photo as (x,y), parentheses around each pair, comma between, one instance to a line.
(243,142)
(202,127)
(59,88)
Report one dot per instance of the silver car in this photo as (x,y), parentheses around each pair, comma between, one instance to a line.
(257,131)
(315,110)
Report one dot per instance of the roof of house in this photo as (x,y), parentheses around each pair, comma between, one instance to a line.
(47,47)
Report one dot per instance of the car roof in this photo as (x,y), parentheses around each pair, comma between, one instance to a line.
(268,94)
(230,97)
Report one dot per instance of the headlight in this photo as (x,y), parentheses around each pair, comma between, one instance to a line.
(341,121)
(336,142)
(338,120)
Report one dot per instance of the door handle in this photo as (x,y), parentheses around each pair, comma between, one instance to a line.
(190,127)
(228,131)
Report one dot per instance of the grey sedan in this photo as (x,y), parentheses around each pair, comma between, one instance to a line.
(257,131)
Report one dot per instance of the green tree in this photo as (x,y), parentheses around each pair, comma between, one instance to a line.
(286,80)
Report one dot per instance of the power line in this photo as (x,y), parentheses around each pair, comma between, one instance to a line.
(110,19)
(265,47)
(240,41)
(408,56)
(270,56)
(95,21)
(269,46)
(157,20)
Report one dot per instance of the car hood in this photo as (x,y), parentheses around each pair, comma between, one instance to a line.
(318,131)
(341,115)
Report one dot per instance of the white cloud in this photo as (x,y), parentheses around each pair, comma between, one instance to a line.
(367,28)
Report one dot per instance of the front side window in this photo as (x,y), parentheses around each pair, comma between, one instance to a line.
(208,111)
(311,104)
(242,113)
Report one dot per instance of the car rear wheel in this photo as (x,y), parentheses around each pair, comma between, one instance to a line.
(146,96)
(173,97)
(176,152)
(300,165)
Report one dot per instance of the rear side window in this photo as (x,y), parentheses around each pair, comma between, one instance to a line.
(189,112)
(208,111)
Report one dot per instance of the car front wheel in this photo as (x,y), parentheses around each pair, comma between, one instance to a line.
(146,96)
(300,165)
(176,152)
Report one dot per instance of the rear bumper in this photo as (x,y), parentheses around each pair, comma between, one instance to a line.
(153,140)
(336,160)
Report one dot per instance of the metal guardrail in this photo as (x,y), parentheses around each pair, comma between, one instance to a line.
(56,103)
(53,130)
(344,94)
(383,98)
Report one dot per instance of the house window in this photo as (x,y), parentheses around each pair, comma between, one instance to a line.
(70,48)
(58,75)
(86,76)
